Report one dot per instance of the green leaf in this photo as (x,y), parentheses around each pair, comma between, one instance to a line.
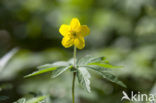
(83,78)
(97,68)
(89,59)
(47,68)
(101,64)
(55,64)
(84,59)
(21,100)
(97,59)
(50,67)
(36,100)
(106,74)
(32,100)
(113,78)
(60,70)
(40,72)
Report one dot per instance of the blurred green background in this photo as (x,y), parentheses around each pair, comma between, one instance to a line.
(122,30)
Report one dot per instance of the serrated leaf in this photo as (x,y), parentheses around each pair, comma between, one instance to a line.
(40,72)
(97,68)
(97,59)
(36,99)
(101,64)
(89,59)
(83,78)
(60,70)
(106,74)
(112,78)
(55,64)
(84,60)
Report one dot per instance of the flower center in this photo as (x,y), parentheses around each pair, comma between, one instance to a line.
(73,33)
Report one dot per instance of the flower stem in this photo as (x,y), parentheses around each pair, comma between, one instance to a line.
(74,56)
(73,88)
(74,75)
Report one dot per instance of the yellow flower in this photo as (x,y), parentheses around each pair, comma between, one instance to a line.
(74,34)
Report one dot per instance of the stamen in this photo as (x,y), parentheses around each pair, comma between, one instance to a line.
(73,33)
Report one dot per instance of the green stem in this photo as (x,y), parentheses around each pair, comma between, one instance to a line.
(74,56)
(73,88)
(74,75)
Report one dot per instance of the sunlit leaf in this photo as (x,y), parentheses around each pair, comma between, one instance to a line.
(32,100)
(55,64)
(40,72)
(106,74)
(112,78)
(83,60)
(97,68)
(83,78)
(104,65)
(21,100)
(50,67)
(36,100)
(60,70)
(96,59)
(89,59)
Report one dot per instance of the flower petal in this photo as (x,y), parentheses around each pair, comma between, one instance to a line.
(67,41)
(64,29)
(75,24)
(79,42)
(84,30)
